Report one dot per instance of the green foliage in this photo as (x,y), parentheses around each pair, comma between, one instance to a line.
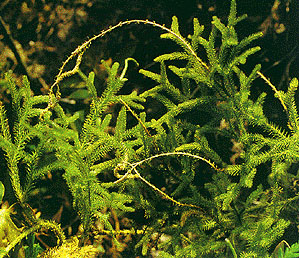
(32,249)
(209,198)
(291,252)
(2,189)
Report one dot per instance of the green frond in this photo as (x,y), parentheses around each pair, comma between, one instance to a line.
(15,94)
(121,124)
(189,147)
(247,180)
(163,254)
(291,105)
(26,91)
(178,38)
(133,100)
(254,196)
(225,199)
(274,130)
(208,225)
(90,84)
(175,25)
(245,82)
(241,59)
(219,25)
(119,201)
(232,13)
(168,87)
(4,132)
(229,36)
(104,166)
(186,87)
(196,73)
(172,56)
(154,76)
(209,46)
(195,38)
(264,233)
(233,170)
(176,110)
(186,214)
(278,171)
(103,124)
(232,18)
(164,85)
(246,41)
(249,254)
(114,84)
(98,150)
(165,101)
(292,251)
(241,18)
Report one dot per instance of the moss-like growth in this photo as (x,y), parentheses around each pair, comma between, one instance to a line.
(207,200)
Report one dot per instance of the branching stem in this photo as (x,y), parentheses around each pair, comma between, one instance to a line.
(136,174)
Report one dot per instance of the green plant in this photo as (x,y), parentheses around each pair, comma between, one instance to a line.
(174,166)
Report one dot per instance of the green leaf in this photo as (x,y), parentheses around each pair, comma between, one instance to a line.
(292,252)
(32,250)
(2,189)
(90,84)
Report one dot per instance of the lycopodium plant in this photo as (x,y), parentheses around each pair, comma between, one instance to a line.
(211,174)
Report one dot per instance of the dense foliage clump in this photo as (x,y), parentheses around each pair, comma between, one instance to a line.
(208,171)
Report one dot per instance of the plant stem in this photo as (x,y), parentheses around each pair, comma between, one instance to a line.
(231,247)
